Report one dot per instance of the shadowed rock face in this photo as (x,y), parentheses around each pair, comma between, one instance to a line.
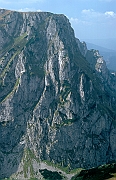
(57,98)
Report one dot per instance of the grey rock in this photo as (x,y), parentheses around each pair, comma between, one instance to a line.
(58,99)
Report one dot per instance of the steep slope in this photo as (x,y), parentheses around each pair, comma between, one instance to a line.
(55,106)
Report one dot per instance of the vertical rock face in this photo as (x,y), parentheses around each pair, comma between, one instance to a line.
(57,98)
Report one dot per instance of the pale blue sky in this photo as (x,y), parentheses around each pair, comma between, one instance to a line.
(91,19)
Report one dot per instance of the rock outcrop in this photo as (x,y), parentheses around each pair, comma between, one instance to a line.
(58,99)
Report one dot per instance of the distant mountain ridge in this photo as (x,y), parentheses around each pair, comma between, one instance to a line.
(97,47)
(106,43)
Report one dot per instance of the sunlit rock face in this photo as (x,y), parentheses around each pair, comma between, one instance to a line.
(58,99)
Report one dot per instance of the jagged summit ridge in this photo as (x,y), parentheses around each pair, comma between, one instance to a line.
(54,102)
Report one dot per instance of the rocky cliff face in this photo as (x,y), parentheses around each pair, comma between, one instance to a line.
(58,99)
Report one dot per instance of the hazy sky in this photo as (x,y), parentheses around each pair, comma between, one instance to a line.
(91,19)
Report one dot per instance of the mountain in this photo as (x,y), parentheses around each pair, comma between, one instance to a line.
(100,48)
(108,55)
(109,43)
(57,99)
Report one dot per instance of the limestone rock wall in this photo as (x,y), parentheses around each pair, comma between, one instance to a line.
(56,100)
